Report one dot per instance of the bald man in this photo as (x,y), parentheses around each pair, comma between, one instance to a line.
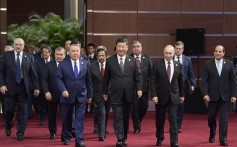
(167,92)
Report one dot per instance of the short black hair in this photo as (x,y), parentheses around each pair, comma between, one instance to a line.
(122,40)
(91,44)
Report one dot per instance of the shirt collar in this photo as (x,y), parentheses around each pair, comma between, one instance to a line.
(166,62)
(17,53)
(221,61)
(121,57)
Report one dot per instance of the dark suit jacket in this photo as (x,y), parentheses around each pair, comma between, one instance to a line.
(97,81)
(49,83)
(78,88)
(162,88)
(224,86)
(115,81)
(8,72)
(92,59)
(187,71)
(40,68)
(146,67)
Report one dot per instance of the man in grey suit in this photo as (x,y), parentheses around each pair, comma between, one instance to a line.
(167,92)
(140,106)
(121,78)
(219,87)
(188,78)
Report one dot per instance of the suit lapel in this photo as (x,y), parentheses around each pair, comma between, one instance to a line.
(13,58)
(98,69)
(70,66)
(117,63)
(163,67)
(214,67)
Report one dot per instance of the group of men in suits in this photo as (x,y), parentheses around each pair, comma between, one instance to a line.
(121,81)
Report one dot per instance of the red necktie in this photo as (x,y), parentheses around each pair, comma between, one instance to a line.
(102,69)
(138,62)
(168,70)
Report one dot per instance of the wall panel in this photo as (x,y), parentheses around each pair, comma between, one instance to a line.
(202,5)
(159,5)
(121,5)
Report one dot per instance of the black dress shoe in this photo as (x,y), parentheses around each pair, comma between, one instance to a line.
(179,131)
(8,132)
(159,143)
(211,139)
(120,144)
(41,123)
(52,136)
(66,142)
(136,131)
(175,145)
(101,138)
(224,143)
(81,144)
(62,140)
(20,136)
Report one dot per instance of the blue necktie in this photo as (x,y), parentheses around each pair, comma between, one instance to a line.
(75,70)
(18,69)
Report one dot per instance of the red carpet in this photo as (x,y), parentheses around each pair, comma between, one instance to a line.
(195,134)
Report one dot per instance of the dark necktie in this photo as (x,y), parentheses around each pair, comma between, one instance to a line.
(138,63)
(102,69)
(168,70)
(75,70)
(121,65)
(178,57)
(18,69)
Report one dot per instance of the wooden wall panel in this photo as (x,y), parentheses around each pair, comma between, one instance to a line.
(154,45)
(230,24)
(121,5)
(90,4)
(158,23)
(213,23)
(114,23)
(229,42)
(3,3)
(230,5)
(202,5)
(90,22)
(159,5)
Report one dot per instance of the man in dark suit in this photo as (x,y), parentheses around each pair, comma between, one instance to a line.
(121,78)
(219,87)
(74,82)
(16,68)
(52,93)
(167,92)
(140,106)
(97,69)
(91,52)
(188,78)
(40,67)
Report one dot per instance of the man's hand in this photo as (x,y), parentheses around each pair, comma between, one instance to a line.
(139,94)
(3,89)
(206,98)
(106,97)
(89,100)
(48,96)
(155,100)
(65,94)
(192,88)
(36,92)
(181,99)
(233,99)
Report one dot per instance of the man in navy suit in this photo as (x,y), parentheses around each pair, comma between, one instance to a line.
(16,68)
(219,87)
(167,92)
(140,106)
(50,90)
(188,78)
(122,77)
(74,82)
